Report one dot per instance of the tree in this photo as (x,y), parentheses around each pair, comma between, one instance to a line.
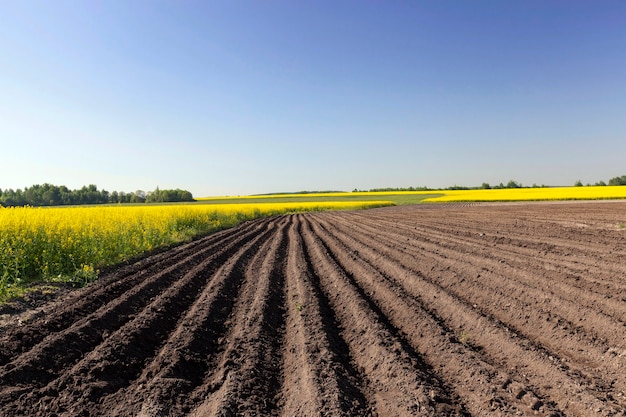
(618,180)
(52,196)
(138,196)
(513,184)
(169,196)
(578,184)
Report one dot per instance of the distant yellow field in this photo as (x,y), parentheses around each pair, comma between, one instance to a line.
(533,194)
(436,196)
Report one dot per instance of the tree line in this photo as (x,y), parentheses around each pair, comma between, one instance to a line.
(53,195)
(513,184)
(613,181)
(486,186)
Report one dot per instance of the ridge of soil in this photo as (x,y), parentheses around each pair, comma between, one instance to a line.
(428,310)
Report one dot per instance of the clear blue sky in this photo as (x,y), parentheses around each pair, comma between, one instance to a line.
(244,97)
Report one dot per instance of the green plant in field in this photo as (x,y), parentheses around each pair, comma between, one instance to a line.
(83,277)
(298,306)
(4,289)
(464,338)
(621,225)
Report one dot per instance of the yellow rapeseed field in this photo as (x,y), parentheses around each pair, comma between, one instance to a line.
(533,194)
(71,243)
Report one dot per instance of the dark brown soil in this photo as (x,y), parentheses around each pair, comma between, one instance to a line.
(430,310)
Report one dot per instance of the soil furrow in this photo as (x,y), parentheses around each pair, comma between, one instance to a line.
(485,389)
(465,271)
(317,361)
(182,362)
(465,318)
(482,234)
(60,351)
(249,377)
(399,384)
(489,244)
(551,318)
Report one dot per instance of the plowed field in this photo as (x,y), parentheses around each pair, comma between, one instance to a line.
(446,310)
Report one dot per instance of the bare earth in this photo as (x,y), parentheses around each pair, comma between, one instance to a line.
(431,310)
